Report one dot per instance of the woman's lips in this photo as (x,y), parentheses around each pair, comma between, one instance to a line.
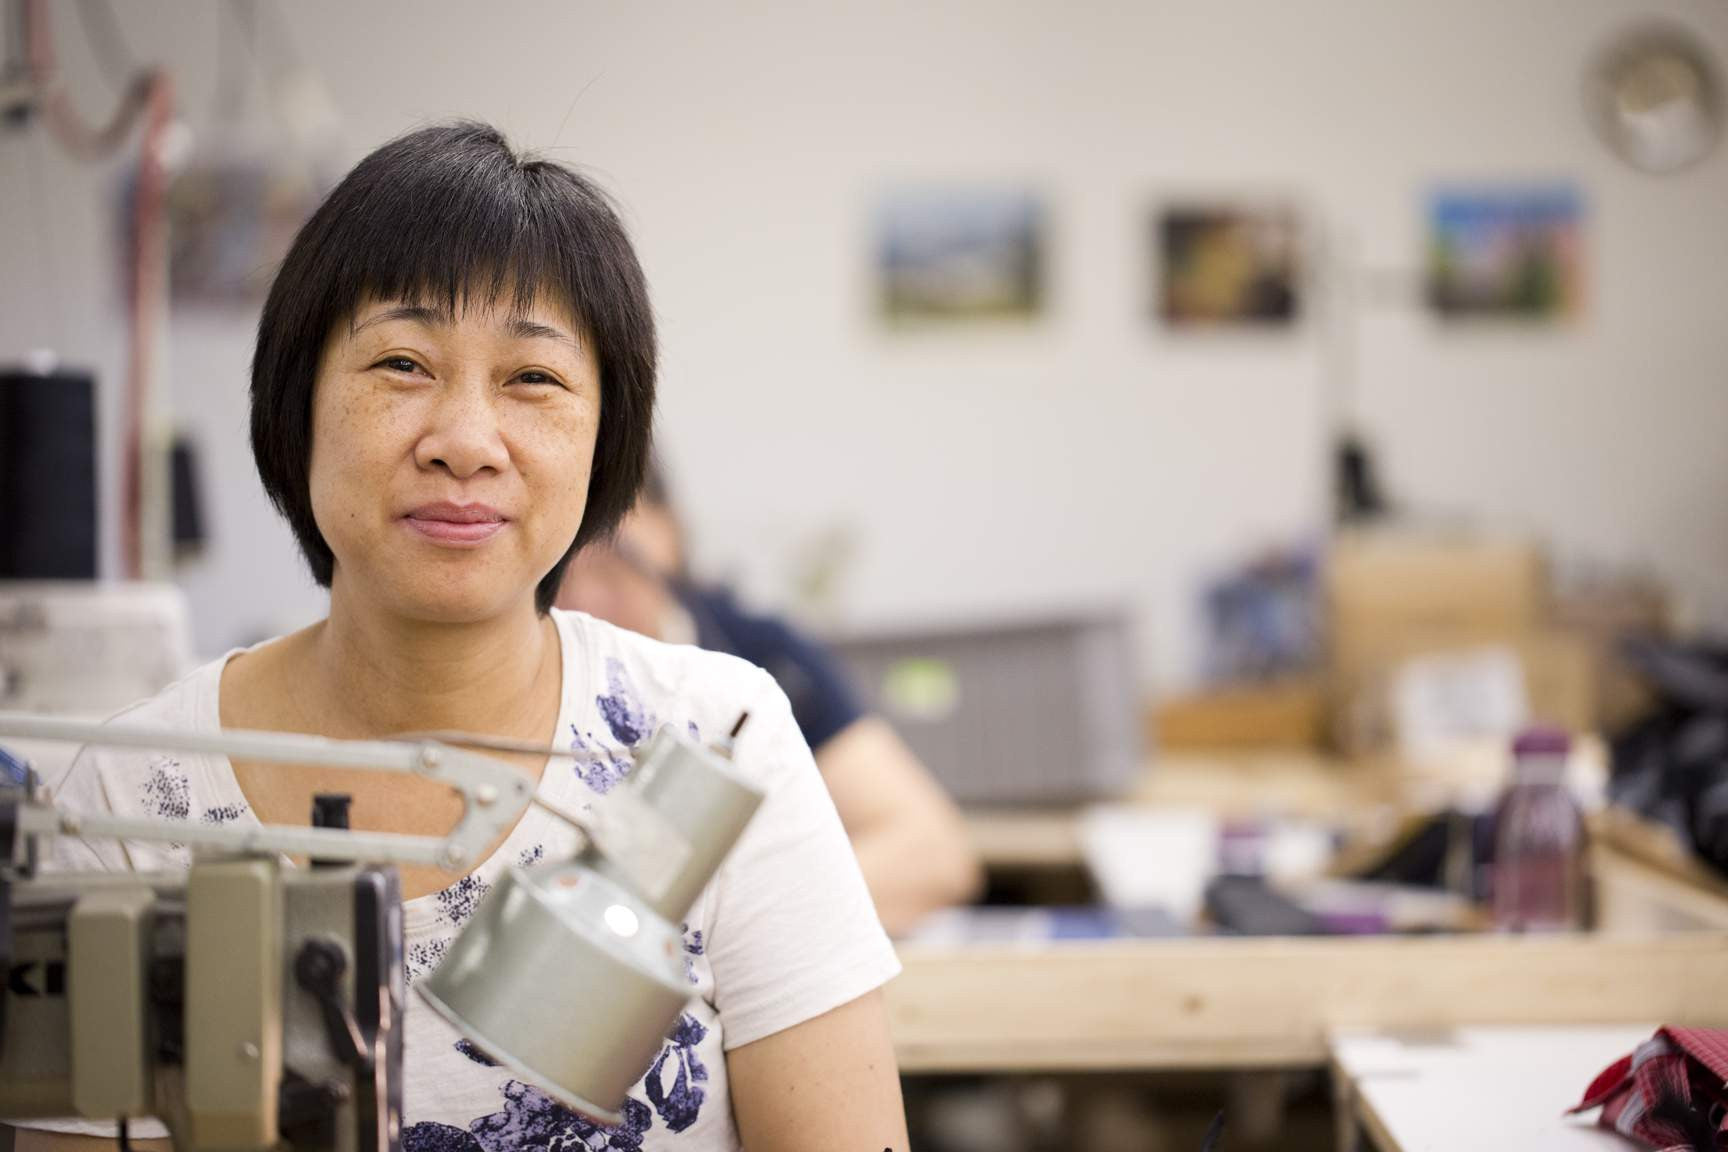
(456,523)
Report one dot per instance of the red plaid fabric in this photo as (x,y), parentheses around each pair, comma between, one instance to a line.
(1687,1066)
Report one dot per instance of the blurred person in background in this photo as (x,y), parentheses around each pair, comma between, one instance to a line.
(910,839)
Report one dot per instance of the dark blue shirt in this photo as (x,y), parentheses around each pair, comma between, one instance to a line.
(823,702)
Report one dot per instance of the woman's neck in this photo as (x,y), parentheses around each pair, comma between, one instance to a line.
(373,674)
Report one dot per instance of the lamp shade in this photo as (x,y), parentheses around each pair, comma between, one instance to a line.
(605,970)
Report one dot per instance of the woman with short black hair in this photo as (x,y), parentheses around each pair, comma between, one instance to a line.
(452,392)
(442,217)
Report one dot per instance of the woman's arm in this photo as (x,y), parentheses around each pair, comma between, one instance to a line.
(910,839)
(829,1083)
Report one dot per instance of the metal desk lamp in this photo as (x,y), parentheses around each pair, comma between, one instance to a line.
(249,1004)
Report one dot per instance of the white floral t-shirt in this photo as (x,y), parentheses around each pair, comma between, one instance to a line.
(784,932)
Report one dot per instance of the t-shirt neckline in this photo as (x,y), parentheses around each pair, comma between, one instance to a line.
(421,911)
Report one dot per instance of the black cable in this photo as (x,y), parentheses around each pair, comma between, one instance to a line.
(1210,1142)
(124,1140)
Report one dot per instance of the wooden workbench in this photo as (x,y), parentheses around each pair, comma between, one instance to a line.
(1645,881)
(1270,1003)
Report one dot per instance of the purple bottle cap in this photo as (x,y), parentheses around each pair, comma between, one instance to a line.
(1542,742)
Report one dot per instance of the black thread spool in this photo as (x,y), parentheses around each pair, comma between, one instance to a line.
(47,475)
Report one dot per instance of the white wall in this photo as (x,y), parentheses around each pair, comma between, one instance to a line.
(1092,454)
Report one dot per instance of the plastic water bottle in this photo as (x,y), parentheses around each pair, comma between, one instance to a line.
(1539,849)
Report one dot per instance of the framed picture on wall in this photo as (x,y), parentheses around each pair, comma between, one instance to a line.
(1514,253)
(947,256)
(231,219)
(1227,265)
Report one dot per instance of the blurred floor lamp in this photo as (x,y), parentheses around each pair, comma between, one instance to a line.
(1354,480)
(147,105)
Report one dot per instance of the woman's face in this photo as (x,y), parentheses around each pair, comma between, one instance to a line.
(451,454)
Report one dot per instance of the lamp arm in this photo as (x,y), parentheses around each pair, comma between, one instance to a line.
(493,793)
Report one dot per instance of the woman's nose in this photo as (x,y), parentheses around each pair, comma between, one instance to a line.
(463,435)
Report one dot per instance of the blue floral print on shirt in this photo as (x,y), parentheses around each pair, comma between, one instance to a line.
(679,1105)
(534,1122)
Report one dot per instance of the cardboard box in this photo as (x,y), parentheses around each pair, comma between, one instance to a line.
(1290,714)
(1402,594)
(1561,678)
(1394,598)
(1559,686)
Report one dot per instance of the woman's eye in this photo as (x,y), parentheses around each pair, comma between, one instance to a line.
(399,364)
(535,377)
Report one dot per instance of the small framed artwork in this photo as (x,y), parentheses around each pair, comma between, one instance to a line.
(1513,253)
(952,256)
(1223,265)
(230,221)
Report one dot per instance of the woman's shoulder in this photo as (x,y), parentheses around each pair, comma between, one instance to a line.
(628,674)
(675,662)
(190,704)
(149,783)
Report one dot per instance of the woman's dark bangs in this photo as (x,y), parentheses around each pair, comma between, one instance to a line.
(454,245)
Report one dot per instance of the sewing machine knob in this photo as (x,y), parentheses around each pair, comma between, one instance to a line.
(318,968)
